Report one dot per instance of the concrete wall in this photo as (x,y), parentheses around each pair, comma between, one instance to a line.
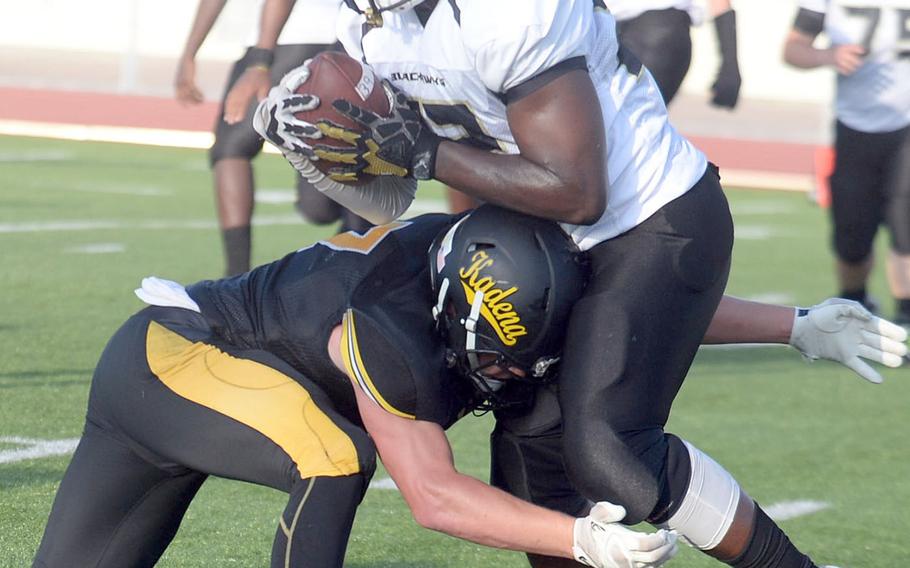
(133,30)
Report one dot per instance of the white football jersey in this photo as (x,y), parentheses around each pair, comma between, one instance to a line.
(624,10)
(471,53)
(310,22)
(876,98)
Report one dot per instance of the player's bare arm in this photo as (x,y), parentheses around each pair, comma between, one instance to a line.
(418,457)
(836,329)
(560,172)
(800,51)
(185,89)
(255,81)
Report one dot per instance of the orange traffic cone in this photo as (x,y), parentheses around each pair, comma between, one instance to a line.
(824,167)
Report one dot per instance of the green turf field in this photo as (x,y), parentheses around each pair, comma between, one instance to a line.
(82,223)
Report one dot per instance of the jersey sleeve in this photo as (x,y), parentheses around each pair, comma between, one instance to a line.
(377,366)
(515,41)
(401,374)
(810,18)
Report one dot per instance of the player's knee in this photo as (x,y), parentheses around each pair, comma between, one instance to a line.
(595,466)
(704,512)
(313,206)
(233,147)
(850,249)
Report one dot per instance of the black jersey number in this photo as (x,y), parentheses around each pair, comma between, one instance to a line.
(873,16)
(460,116)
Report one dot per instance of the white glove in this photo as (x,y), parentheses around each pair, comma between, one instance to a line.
(843,331)
(276,122)
(601,542)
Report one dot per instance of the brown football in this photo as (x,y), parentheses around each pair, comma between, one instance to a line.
(334,75)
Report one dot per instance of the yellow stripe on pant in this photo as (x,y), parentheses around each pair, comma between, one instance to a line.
(254,394)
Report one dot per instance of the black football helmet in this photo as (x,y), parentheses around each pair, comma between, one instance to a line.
(504,284)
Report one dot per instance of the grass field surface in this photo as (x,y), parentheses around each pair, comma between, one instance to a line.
(82,223)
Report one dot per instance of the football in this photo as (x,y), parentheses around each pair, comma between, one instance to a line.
(334,75)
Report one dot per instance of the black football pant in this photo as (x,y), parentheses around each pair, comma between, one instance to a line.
(870,186)
(631,340)
(170,406)
(661,41)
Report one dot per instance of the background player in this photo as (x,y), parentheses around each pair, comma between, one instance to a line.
(657,31)
(311,30)
(251,378)
(870,50)
(575,119)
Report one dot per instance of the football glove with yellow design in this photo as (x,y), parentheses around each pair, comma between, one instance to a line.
(400,144)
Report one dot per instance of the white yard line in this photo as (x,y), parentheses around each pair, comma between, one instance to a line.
(385,483)
(786,510)
(418,208)
(97,248)
(32,448)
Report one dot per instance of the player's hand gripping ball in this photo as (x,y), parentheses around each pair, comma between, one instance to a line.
(369,129)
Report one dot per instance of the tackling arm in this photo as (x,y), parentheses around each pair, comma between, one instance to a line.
(417,455)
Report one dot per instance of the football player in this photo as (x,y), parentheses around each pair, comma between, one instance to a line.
(294,375)
(657,31)
(536,107)
(870,50)
(236,143)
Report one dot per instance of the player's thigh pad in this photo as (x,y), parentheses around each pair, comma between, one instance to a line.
(526,457)
(242,414)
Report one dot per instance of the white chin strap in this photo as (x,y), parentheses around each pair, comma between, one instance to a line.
(470,326)
(441,299)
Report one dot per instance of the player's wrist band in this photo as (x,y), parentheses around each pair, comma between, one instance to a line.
(259,57)
(725,26)
(423,167)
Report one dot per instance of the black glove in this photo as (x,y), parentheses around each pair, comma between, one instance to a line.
(726,87)
(400,144)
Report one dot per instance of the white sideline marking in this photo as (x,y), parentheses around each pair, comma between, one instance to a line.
(786,510)
(97,248)
(35,156)
(275,196)
(773,298)
(33,448)
(754,233)
(764,208)
(384,483)
(418,208)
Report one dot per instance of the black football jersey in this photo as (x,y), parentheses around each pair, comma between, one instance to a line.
(375,285)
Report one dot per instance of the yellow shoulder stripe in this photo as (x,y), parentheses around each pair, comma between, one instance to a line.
(353,362)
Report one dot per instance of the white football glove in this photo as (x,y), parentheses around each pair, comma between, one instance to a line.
(843,331)
(601,542)
(274,120)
